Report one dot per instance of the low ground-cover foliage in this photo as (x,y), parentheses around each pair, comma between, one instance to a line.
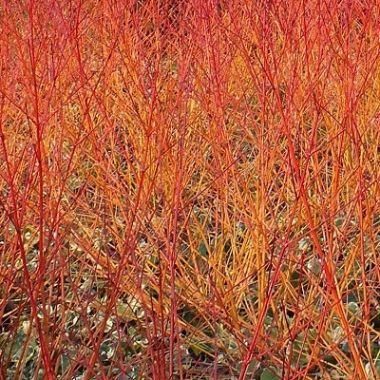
(189,190)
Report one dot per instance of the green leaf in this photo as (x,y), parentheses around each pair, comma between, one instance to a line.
(269,374)
(339,222)
(202,249)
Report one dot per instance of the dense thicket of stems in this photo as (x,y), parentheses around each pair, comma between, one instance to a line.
(189,189)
